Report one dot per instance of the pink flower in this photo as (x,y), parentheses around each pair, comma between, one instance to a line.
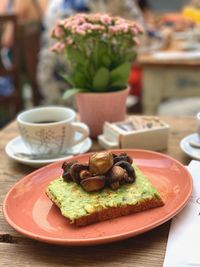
(58,32)
(61,22)
(119,21)
(94,17)
(112,29)
(138,28)
(98,27)
(66,24)
(80,30)
(80,18)
(86,26)
(58,47)
(69,41)
(122,27)
(105,19)
(134,30)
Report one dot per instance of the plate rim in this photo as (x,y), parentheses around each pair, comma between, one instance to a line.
(183,140)
(106,239)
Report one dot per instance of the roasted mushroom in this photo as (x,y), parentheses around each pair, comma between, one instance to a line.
(75,171)
(122,157)
(66,170)
(84,174)
(104,169)
(129,168)
(114,155)
(117,173)
(115,185)
(92,184)
(100,163)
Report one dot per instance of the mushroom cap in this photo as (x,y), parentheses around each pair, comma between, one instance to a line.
(100,163)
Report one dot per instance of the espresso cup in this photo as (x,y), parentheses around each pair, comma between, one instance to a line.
(51,130)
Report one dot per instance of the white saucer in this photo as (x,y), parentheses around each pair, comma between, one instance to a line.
(17,145)
(188,149)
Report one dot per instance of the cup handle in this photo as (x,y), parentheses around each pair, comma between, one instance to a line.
(81,128)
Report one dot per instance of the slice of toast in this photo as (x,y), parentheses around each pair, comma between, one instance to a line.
(83,208)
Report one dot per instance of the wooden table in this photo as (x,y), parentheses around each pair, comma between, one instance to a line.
(144,250)
(165,79)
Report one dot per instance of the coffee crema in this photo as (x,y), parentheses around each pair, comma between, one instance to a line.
(43,122)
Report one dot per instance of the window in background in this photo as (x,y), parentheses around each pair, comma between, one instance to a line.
(167,6)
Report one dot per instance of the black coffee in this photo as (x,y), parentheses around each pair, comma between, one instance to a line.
(44,122)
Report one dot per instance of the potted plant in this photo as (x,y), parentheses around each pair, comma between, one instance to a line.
(99,50)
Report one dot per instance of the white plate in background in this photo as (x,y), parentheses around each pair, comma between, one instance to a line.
(191,151)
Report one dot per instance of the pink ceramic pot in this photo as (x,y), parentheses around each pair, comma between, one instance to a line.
(96,108)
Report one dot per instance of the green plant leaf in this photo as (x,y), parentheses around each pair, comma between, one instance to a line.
(101,79)
(121,73)
(88,71)
(66,78)
(106,61)
(75,55)
(103,58)
(91,70)
(71,92)
(116,88)
(118,84)
(80,79)
(131,56)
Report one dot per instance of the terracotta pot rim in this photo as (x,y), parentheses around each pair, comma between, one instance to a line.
(100,93)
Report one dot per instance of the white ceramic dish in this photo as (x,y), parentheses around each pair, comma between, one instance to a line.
(176,55)
(16,147)
(190,46)
(191,151)
(116,136)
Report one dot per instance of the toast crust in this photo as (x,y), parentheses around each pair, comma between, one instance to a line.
(112,212)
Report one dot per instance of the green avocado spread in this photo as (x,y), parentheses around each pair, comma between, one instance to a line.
(74,202)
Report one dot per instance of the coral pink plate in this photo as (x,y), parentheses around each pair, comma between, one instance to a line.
(28,210)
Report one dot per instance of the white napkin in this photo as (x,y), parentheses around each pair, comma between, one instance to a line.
(183,246)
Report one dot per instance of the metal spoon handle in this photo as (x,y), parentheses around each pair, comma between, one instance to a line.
(42,157)
(194,144)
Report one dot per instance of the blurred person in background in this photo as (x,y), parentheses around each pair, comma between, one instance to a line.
(27,11)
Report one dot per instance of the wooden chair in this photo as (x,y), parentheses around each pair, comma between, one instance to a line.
(13,102)
(29,34)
